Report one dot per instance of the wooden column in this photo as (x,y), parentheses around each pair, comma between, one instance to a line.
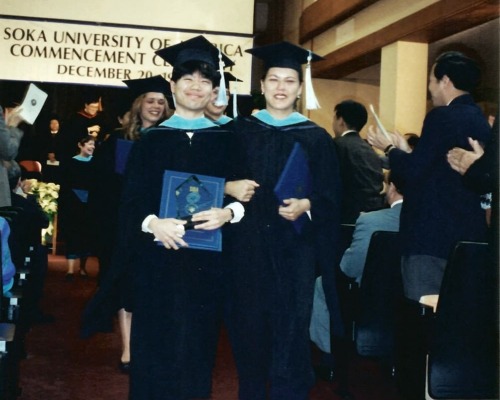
(403,86)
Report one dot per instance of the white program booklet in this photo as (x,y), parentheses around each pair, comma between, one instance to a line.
(32,103)
(379,123)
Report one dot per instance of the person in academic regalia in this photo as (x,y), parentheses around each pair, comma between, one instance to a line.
(178,291)
(47,156)
(216,108)
(146,108)
(273,271)
(87,121)
(75,224)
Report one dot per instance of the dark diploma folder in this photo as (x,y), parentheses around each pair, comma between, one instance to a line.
(295,181)
(83,195)
(185,194)
(121,154)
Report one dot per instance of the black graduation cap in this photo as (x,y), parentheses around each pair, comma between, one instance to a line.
(283,55)
(156,84)
(229,77)
(197,48)
(288,55)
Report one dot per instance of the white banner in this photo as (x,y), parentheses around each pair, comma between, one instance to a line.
(235,16)
(100,55)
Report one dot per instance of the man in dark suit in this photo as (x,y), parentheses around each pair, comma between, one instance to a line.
(360,167)
(439,209)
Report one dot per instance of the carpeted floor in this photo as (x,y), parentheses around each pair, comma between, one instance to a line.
(61,366)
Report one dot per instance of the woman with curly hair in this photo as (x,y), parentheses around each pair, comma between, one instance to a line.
(149,108)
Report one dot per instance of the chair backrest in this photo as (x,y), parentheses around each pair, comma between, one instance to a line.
(1,278)
(31,165)
(33,168)
(463,352)
(1,266)
(346,232)
(16,240)
(380,295)
(347,288)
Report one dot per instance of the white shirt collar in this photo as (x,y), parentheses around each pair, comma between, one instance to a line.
(348,131)
(396,202)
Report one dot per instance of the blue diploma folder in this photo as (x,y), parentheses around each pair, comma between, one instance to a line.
(185,194)
(122,151)
(295,181)
(83,195)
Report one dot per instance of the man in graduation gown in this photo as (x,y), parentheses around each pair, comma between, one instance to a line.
(178,291)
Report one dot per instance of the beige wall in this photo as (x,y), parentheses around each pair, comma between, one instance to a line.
(330,93)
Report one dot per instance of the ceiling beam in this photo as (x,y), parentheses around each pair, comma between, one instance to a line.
(428,25)
(322,14)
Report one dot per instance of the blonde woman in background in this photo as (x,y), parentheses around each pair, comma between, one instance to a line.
(149,108)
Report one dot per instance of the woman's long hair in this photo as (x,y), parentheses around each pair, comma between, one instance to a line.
(133,128)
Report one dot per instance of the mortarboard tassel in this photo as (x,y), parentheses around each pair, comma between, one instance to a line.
(311,100)
(235,101)
(222,96)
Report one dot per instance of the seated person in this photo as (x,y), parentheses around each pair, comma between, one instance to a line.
(8,268)
(387,219)
(352,264)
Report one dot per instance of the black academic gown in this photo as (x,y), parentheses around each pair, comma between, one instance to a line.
(74,218)
(104,200)
(178,294)
(47,144)
(114,291)
(273,267)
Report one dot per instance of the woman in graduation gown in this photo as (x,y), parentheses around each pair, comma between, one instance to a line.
(273,271)
(147,110)
(75,224)
(178,291)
